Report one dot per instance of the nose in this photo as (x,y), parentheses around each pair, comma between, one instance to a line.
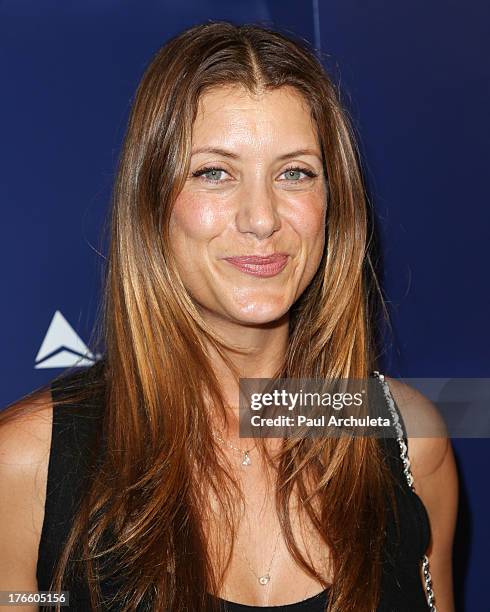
(257,211)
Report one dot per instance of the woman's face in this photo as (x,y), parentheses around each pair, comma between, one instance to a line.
(266,194)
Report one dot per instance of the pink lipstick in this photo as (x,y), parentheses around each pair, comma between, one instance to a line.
(265,267)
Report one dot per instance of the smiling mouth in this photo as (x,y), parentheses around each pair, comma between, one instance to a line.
(255,265)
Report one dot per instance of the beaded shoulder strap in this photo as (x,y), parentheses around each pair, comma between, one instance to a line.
(402,443)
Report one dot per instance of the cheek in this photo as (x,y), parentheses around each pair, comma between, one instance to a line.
(307,216)
(194,219)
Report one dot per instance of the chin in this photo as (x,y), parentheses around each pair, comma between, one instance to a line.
(258,314)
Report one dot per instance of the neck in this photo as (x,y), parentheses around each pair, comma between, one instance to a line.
(256,351)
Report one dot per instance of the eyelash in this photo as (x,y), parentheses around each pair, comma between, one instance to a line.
(309,173)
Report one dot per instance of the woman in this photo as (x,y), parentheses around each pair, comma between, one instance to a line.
(239,248)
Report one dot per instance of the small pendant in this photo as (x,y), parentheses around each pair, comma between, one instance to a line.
(246,459)
(264,579)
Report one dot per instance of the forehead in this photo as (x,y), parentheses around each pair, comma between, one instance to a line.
(232,113)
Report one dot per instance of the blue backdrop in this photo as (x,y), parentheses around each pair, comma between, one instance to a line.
(414,77)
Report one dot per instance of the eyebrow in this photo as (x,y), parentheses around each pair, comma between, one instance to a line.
(231,155)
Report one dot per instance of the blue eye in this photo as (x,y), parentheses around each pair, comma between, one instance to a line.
(290,172)
(213,171)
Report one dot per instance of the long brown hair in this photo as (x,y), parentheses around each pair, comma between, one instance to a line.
(157,446)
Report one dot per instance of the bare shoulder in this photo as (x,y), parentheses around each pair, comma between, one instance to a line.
(25,438)
(421,416)
(25,442)
(435,477)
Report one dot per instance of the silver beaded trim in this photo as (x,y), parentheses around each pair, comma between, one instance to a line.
(408,475)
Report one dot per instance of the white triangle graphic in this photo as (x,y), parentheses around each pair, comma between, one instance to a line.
(61,337)
(64,359)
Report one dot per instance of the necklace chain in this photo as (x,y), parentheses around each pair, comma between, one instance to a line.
(264,579)
(245,453)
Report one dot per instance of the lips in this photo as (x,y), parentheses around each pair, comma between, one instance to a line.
(264,266)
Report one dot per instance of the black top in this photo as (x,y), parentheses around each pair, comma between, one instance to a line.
(74,429)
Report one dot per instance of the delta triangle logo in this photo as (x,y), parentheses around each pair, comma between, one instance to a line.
(62,347)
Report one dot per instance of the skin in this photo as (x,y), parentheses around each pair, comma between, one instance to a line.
(255,210)
(252,208)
